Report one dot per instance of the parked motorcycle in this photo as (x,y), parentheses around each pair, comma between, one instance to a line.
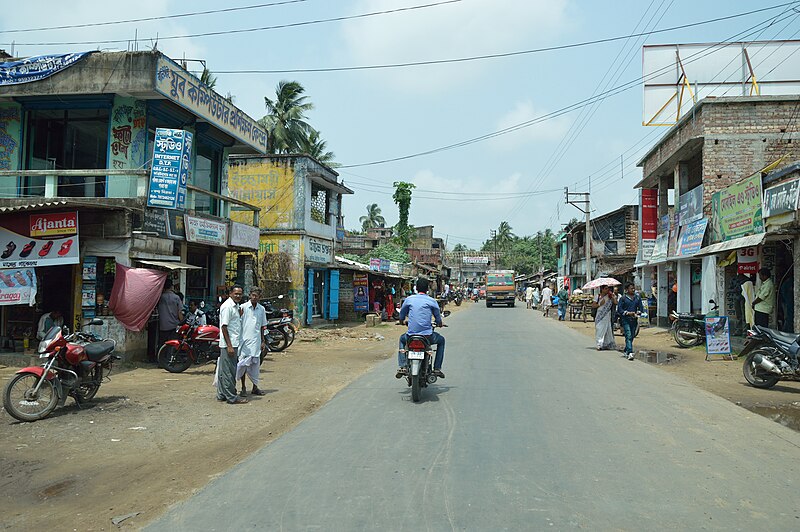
(689,330)
(196,344)
(73,368)
(280,318)
(770,356)
(419,362)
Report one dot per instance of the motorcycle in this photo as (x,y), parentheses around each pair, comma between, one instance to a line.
(74,368)
(197,344)
(280,318)
(689,330)
(770,356)
(455,297)
(419,362)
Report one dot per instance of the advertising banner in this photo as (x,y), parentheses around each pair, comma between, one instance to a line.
(747,261)
(718,336)
(384,267)
(39,240)
(360,292)
(37,67)
(172,163)
(375,264)
(204,231)
(649,213)
(395,267)
(691,206)
(18,286)
(737,210)
(647,249)
(244,236)
(674,233)
(692,237)
(781,199)
(660,248)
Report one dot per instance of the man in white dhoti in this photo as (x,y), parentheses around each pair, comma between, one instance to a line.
(251,344)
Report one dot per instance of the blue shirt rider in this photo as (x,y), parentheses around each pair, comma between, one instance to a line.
(420,308)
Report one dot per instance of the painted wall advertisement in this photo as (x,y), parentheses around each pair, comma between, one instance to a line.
(18,286)
(737,210)
(361,292)
(319,251)
(718,336)
(44,239)
(172,162)
(204,231)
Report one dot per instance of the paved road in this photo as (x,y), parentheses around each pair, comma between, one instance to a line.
(532,429)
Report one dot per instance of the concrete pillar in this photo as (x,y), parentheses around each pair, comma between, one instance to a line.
(684,272)
(664,185)
(796,252)
(663,292)
(182,273)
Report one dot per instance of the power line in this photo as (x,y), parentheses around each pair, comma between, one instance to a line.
(244,30)
(148,19)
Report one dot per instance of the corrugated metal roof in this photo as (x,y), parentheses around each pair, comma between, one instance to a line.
(33,206)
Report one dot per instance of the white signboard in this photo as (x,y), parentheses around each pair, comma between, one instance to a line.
(475,260)
(204,231)
(319,251)
(244,236)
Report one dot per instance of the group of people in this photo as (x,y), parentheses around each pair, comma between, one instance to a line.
(547,299)
(628,307)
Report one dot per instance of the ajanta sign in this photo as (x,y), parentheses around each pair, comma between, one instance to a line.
(737,210)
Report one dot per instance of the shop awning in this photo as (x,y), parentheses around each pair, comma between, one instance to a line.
(736,243)
(169,265)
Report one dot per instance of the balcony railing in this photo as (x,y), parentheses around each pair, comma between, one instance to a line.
(137,181)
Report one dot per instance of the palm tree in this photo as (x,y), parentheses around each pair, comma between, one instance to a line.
(505,235)
(285,121)
(373,217)
(208,78)
(314,146)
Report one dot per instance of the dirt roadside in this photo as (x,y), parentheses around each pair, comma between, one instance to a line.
(151,438)
(720,377)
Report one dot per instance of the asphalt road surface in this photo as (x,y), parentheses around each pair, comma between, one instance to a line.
(531,429)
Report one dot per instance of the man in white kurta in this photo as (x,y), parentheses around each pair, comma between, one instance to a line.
(251,343)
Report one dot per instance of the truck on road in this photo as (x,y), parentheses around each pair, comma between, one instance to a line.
(500,287)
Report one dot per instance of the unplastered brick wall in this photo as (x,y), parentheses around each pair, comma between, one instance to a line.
(692,127)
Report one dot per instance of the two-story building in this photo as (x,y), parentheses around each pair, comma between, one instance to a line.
(81,195)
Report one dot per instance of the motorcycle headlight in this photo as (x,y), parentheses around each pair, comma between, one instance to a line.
(43,345)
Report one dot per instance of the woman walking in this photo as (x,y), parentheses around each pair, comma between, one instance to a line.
(603,329)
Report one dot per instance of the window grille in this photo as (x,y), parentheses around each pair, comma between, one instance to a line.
(319,204)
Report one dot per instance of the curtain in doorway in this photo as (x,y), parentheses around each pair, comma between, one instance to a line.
(135,294)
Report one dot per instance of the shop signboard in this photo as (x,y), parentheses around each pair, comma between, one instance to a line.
(360,292)
(660,248)
(244,236)
(692,237)
(18,286)
(319,251)
(172,163)
(375,264)
(205,231)
(781,199)
(46,239)
(718,336)
(737,210)
(394,267)
(691,206)
(154,221)
(475,260)
(649,213)
(747,261)
(647,249)
(89,269)
(384,267)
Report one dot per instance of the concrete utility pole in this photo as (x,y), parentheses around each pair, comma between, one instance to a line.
(493,234)
(585,207)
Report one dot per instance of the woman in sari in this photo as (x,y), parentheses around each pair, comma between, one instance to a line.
(603,329)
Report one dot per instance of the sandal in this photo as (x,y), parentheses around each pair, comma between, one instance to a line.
(257,391)
(238,401)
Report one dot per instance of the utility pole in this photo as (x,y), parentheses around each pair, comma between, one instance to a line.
(584,206)
(493,234)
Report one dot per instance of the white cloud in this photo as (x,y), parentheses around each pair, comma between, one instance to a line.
(548,130)
(464,29)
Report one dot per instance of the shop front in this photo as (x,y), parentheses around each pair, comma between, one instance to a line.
(322,280)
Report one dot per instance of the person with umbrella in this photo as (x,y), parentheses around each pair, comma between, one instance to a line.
(603,329)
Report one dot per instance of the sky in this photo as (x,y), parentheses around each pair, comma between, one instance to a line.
(374,115)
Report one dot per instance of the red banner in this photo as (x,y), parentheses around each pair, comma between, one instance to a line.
(649,221)
(747,259)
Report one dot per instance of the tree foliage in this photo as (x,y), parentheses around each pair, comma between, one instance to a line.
(390,251)
(314,146)
(460,247)
(526,254)
(402,197)
(285,120)
(373,217)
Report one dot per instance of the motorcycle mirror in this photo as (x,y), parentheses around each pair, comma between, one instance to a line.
(95,321)
(202,304)
(712,301)
(446,313)
(280,296)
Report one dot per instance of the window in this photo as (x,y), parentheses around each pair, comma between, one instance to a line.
(72,139)
(319,204)
(610,247)
(197,281)
(206,176)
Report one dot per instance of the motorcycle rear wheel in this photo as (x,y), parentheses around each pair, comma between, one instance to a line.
(18,390)
(415,388)
(278,340)
(290,333)
(756,378)
(173,360)
(685,341)
(86,392)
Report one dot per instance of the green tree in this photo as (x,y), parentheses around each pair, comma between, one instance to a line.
(208,78)
(314,146)
(460,247)
(505,236)
(390,251)
(373,217)
(285,121)
(402,197)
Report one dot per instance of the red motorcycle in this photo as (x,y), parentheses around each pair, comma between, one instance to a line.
(74,368)
(197,344)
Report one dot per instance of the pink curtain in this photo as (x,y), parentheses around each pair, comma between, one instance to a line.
(135,294)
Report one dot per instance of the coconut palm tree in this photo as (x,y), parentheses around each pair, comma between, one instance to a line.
(208,78)
(286,118)
(314,146)
(505,235)
(373,217)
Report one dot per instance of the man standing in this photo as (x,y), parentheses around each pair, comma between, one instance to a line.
(251,343)
(170,313)
(547,300)
(629,307)
(563,300)
(230,321)
(48,321)
(764,303)
(529,297)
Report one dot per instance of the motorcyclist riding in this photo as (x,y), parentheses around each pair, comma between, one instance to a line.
(420,308)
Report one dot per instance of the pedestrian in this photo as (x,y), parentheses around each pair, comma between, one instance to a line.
(196,315)
(170,313)
(603,328)
(251,343)
(749,295)
(48,321)
(529,297)
(764,303)
(563,299)
(629,307)
(536,297)
(230,322)
(547,300)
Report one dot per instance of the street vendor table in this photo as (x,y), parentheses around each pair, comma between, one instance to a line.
(580,307)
